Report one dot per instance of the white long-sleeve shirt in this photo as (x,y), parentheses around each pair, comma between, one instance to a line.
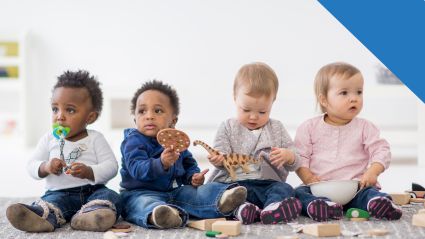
(97,154)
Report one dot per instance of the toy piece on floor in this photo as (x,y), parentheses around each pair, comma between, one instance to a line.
(173,138)
(418,220)
(322,229)
(417,191)
(231,228)
(212,233)
(417,200)
(121,227)
(377,232)
(231,161)
(357,215)
(288,237)
(417,187)
(205,225)
(400,198)
(109,235)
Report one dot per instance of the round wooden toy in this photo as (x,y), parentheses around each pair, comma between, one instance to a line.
(174,138)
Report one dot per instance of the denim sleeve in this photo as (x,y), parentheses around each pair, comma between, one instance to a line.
(138,163)
(191,167)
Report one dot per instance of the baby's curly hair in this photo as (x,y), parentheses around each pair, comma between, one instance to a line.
(161,87)
(83,79)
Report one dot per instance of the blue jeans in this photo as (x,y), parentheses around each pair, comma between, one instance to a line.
(201,202)
(303,193)
(70,200)
(264,192)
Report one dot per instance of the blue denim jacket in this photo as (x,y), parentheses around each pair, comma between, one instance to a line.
(142,167)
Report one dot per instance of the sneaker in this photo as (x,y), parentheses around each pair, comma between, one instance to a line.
(164,217)
(321,210)
(232,199)
(247,213)
(382,207)
(31,218)
(284,211)
(96,218)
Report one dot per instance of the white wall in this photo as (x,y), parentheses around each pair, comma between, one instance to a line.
(197,46)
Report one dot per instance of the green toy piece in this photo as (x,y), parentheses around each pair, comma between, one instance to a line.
(356,213)
(212,233)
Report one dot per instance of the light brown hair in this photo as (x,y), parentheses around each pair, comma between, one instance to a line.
(258,78)
(340,70)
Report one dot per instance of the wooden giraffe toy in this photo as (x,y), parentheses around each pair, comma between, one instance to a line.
(231,161)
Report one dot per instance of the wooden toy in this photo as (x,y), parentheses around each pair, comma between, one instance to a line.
(358,219)
(231,228)
(417,200)
(418,220)
(212,233)
(322,229)
(231,161)
(222,236)
(400,198)
(288,237)
(173,138)
(356,213)
(205,225)
(377,232)
(417,191)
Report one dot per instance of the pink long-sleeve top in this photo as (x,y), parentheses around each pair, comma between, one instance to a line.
(340,152)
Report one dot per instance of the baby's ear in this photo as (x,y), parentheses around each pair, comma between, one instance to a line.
(92,117)
(322,100)
(174,122)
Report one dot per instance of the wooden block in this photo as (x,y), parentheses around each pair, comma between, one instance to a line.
(400,198)
(231,228)
(418,220)
(322,230)
(417,200)
(205,225)
(378,232)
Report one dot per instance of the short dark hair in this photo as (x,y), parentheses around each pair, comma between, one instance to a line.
(83,79)
(161,87)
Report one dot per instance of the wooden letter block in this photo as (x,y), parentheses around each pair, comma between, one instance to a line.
(322,230)
(400,198)
(205,225)
(418,220)
(231,228)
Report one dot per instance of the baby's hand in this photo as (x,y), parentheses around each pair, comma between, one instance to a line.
(368,179)
(216,160)
(280,157)
(169,157)
(54,166)
(199,178)
(80,170)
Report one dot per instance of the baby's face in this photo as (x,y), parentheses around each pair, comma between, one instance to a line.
(253,112)
(72,107)
(344,99)
(153,112)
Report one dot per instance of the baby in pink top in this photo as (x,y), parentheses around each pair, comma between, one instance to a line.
(338,146)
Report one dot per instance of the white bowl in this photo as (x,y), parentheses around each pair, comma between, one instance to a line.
(339,191)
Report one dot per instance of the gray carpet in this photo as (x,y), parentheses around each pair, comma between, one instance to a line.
(398,229)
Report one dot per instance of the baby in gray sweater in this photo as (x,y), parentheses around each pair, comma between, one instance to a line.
(270,200)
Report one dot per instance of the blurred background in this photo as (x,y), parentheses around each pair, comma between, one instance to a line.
(196,46)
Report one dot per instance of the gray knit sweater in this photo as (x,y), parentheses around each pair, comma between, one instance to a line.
(232,137)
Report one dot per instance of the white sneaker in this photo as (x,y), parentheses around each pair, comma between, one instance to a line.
(164,216)
(231,199)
